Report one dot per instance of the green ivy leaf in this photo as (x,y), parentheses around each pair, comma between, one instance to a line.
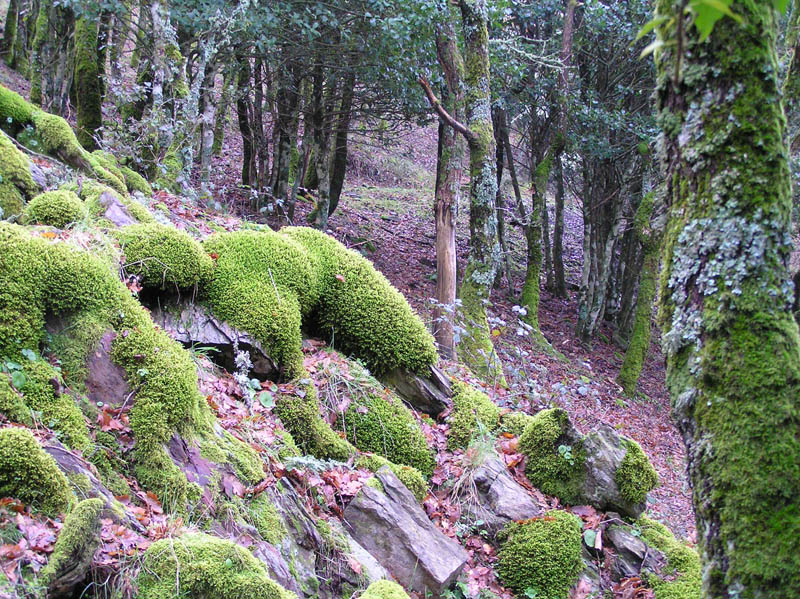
(708,12)
(266,399)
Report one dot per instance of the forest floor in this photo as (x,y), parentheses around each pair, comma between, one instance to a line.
(386,213)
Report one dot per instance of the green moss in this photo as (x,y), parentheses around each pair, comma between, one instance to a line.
(108,162)
(301,417)
(547,469)
(636,476)
(81,485)
(42,393)
(57,208)
(90,191)
(384,589)
(12,405)
(58,138)
(78,537)
(361,310)
(334,541)
(475,349)
(515,422)
(264,516)
(684,581)
(408,475)
(135,182)
(15,111)
(543,554)
(199,565)
(164,256)
(472,411)
(263,283)
(373,482)
(16,183)
(169,171)
(28,473)
(388,428)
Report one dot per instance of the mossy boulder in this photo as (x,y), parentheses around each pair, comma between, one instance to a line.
(135,182)
(555,455)
(16,183)
(542,555)
(636,476)
(384,589)
(57,208)
(515,422)
(199,565)
(28,473)
(100,198)
(408,475)
(16,112)
(163,256)
(683,577)
(387,427)
(473,412)
(12,406)
(361,310)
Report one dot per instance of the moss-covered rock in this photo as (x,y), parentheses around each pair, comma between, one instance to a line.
(542,555)
(199,565)
(263,514)
(515,422)
(387,427)
(91,193)
(384,589)
(555,471)
(685,579)
(15,111)
(135,182)
(164,256)
(77,541)
(472,411)
(57,208)
(28,473)
(12,406)
(360,309)
(636,476)
(408,475)
(16,183)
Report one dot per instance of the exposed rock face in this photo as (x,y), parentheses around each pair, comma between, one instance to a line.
(105,381)
(192,323)
(499,500)
(632,554)
(393,528)
(605,452)
(115,211)
(430,394)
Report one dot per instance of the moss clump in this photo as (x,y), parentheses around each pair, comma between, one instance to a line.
(636,476)
(199,565)
(28,473)
(12,405)
(408,475)
(16,183)
(135,182)
(57,208)
(555,472)
(472,411)
(42,393)
(15,111)
(682,559)
(91,192)
(515,422)
(388,428)
(543,554)
(264,516)
(384,589)
(301,417)
(163,256)
(77,540)
(361,310)
(263,283)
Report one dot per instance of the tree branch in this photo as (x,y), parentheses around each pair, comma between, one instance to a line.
(437,106)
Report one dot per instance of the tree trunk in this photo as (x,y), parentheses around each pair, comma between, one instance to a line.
(339,168)
(9,42)
(732,346)
(477,350)
(51,63)
(559,280)
(245,128)
(322,146)
(449,169)
(88,83)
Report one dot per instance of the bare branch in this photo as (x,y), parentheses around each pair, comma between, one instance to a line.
(443,114)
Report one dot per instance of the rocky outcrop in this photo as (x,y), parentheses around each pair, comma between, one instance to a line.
(391,526)
(631,554)
(496,498)
(429,394)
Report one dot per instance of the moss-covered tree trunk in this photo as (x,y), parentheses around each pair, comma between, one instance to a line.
(51,64)
(342,129)
(88,83)
(8,47)
(732,346)
(476,349)
(287,103)
(649,236)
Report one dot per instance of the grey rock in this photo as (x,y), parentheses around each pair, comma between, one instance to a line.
(105,381)
(393,528)
(496,498)
(430,394)
(370,567)
(115,211)
(193,323)
(604,454)
(632,554)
